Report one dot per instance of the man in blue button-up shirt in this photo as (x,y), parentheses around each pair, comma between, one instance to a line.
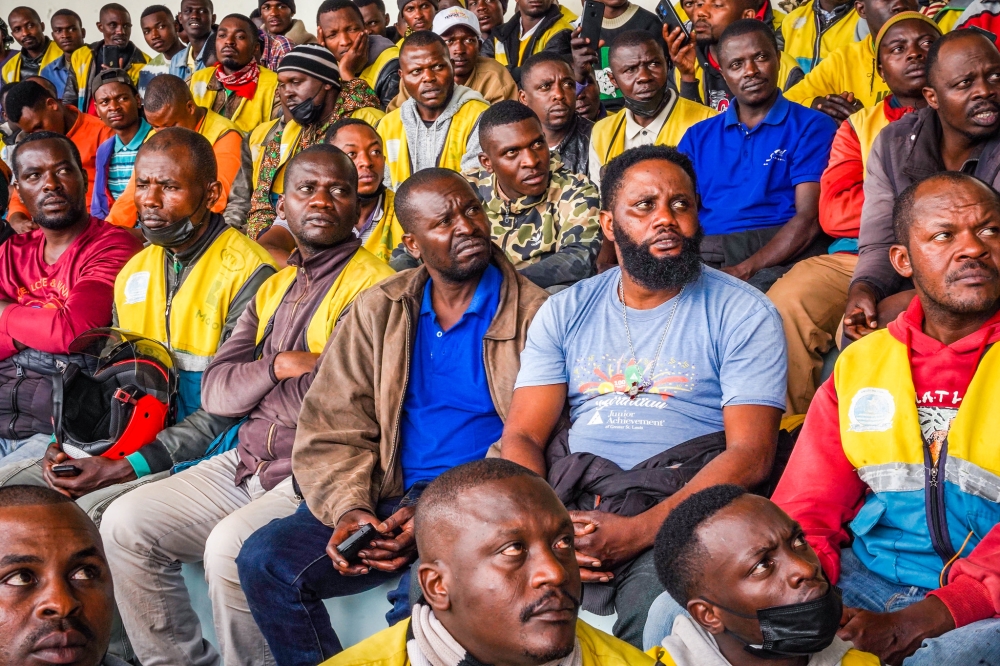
(758,165)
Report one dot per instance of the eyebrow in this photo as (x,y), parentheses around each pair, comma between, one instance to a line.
(91,551)
(8,560)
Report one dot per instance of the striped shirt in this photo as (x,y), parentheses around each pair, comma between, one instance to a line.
(123,159)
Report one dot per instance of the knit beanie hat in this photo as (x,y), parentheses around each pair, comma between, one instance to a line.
(312,60)
(290,3)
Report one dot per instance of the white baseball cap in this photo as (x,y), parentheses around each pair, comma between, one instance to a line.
(446,19)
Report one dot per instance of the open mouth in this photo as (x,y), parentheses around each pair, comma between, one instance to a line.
(985,115)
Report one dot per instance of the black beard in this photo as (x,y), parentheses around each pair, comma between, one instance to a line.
(362,200)
(64,221)
(660,274)
(232,65)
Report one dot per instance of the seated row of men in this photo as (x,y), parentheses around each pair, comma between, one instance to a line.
(629,392)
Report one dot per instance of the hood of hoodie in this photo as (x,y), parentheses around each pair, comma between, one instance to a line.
(689,644)
(461,95)
(908,329)
(424,143)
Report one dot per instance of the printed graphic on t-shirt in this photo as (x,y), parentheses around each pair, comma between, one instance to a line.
(936,411)
(603,76)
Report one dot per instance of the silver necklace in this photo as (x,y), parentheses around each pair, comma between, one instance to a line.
(640,387)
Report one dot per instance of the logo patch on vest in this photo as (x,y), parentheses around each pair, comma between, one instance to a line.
(392,150)
(871,410)
(136,287)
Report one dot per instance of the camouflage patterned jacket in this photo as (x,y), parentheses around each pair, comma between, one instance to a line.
(551,239)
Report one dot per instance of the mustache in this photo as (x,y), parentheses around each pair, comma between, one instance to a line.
(984,105)
(58,626)
(552,595)
(971,266)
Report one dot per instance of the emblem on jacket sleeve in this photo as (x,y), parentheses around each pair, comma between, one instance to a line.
(871,410)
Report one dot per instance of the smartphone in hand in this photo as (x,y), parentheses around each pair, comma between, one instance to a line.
(592,21)
(666,13)
(112,57)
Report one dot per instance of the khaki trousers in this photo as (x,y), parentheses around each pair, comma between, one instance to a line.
(197,515)
(811,298)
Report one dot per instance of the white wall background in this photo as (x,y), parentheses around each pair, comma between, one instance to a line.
(306,10)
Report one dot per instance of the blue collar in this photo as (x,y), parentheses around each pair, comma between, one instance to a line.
(775,116)
(486,291)
(140,136)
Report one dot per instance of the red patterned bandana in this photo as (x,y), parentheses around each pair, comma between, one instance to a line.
(243,83)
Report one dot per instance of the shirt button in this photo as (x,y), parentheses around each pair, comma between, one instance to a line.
(440,334)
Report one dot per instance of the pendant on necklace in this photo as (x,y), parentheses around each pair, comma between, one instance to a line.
(633,390)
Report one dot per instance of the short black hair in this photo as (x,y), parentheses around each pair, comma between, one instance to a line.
(336,6)
(25,95)
(364,3)
(749,26)
(156,9)
(331,133)
(405,209)
(198,147)
(902,208)
(445,490)
(15,165)
(317,149)
(114,7)
(678,555)
(31,496)
(615,170)
(501,114)
(632,39)
(934,52)
(540,58)
(163,90)
(421,38)
(68,12)
(251,26)
(31,12)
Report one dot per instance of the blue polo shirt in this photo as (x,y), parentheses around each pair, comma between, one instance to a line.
(747,177)
(448,413)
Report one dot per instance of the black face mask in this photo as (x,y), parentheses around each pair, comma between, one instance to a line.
(646,109)
(308,112)
(170,236)
(794,630)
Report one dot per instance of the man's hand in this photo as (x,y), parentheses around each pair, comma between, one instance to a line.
(291,364)
(859,318)
(895,636)
(21,223)
(355,60)
(348,524)
(603,541)
(95,473)
(681,51)
(584,55)
(392,554)
(838,107)
(743,270)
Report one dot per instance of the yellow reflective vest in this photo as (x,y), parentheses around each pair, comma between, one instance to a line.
(82,60)
(191,322)
(362,271)
(806,43)
(251,112)
(397,153)
(608,136)
(11,72)
(851,68)
(565,22)
(867,123)
(290,143)
(388,233)
(371,73)
(851,658)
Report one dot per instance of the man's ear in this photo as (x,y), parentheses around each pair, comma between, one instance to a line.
(433,585)
(899,257)
(410,243)
(520,96)
(279,208)
(319,34)
(606,227)
(749,13)
(191,107)
(484,159)
(859,7)
(214,194)
(611,78)
(931,96)
(83,32)
(703,613)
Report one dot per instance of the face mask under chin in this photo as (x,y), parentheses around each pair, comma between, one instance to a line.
(170,236)
(648,108)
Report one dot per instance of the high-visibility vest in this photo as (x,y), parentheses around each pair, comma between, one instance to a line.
(867,123)
(81,62)
(371,73)
(11,72)
(786,64)
(805,42)
(564,22)
(250,112)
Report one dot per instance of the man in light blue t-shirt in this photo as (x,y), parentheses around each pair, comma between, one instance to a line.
(680,389)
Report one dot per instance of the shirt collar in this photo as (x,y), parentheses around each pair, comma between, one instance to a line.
(632,128)
(140,136)
(487,289)
(775,116)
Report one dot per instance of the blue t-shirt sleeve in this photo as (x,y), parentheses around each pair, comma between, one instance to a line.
(755,363)
(812,154)
(543,359)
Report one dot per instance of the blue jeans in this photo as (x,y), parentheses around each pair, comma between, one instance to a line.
(286,574)
(18,450)
(976,643)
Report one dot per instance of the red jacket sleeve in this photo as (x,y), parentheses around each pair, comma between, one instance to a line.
(87,306)
(973,589)
(824,503)
(841,188)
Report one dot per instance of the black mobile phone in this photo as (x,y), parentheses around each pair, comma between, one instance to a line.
(356,542)
(666,12)
(592,20)
(112,56)
(66,470)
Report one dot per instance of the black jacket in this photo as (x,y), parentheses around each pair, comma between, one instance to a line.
(574,151)
(509,34)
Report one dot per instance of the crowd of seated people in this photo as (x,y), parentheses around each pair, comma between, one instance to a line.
(692,327)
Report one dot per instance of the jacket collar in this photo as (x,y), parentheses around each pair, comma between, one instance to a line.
(923,149)
(408,287)
(325,261)
(776,115)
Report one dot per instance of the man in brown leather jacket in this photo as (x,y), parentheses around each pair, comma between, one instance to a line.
(418,380)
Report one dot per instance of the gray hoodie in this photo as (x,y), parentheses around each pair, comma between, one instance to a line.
(426,143)
(690,645)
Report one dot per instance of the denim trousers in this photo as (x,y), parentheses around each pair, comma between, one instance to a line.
(976,643)
(287,574)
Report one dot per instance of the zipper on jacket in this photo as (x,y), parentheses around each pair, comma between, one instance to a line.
(178,269)
(13,404)
(399,412)
(819,36)
(937,518)
(295,306)
(270,440)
